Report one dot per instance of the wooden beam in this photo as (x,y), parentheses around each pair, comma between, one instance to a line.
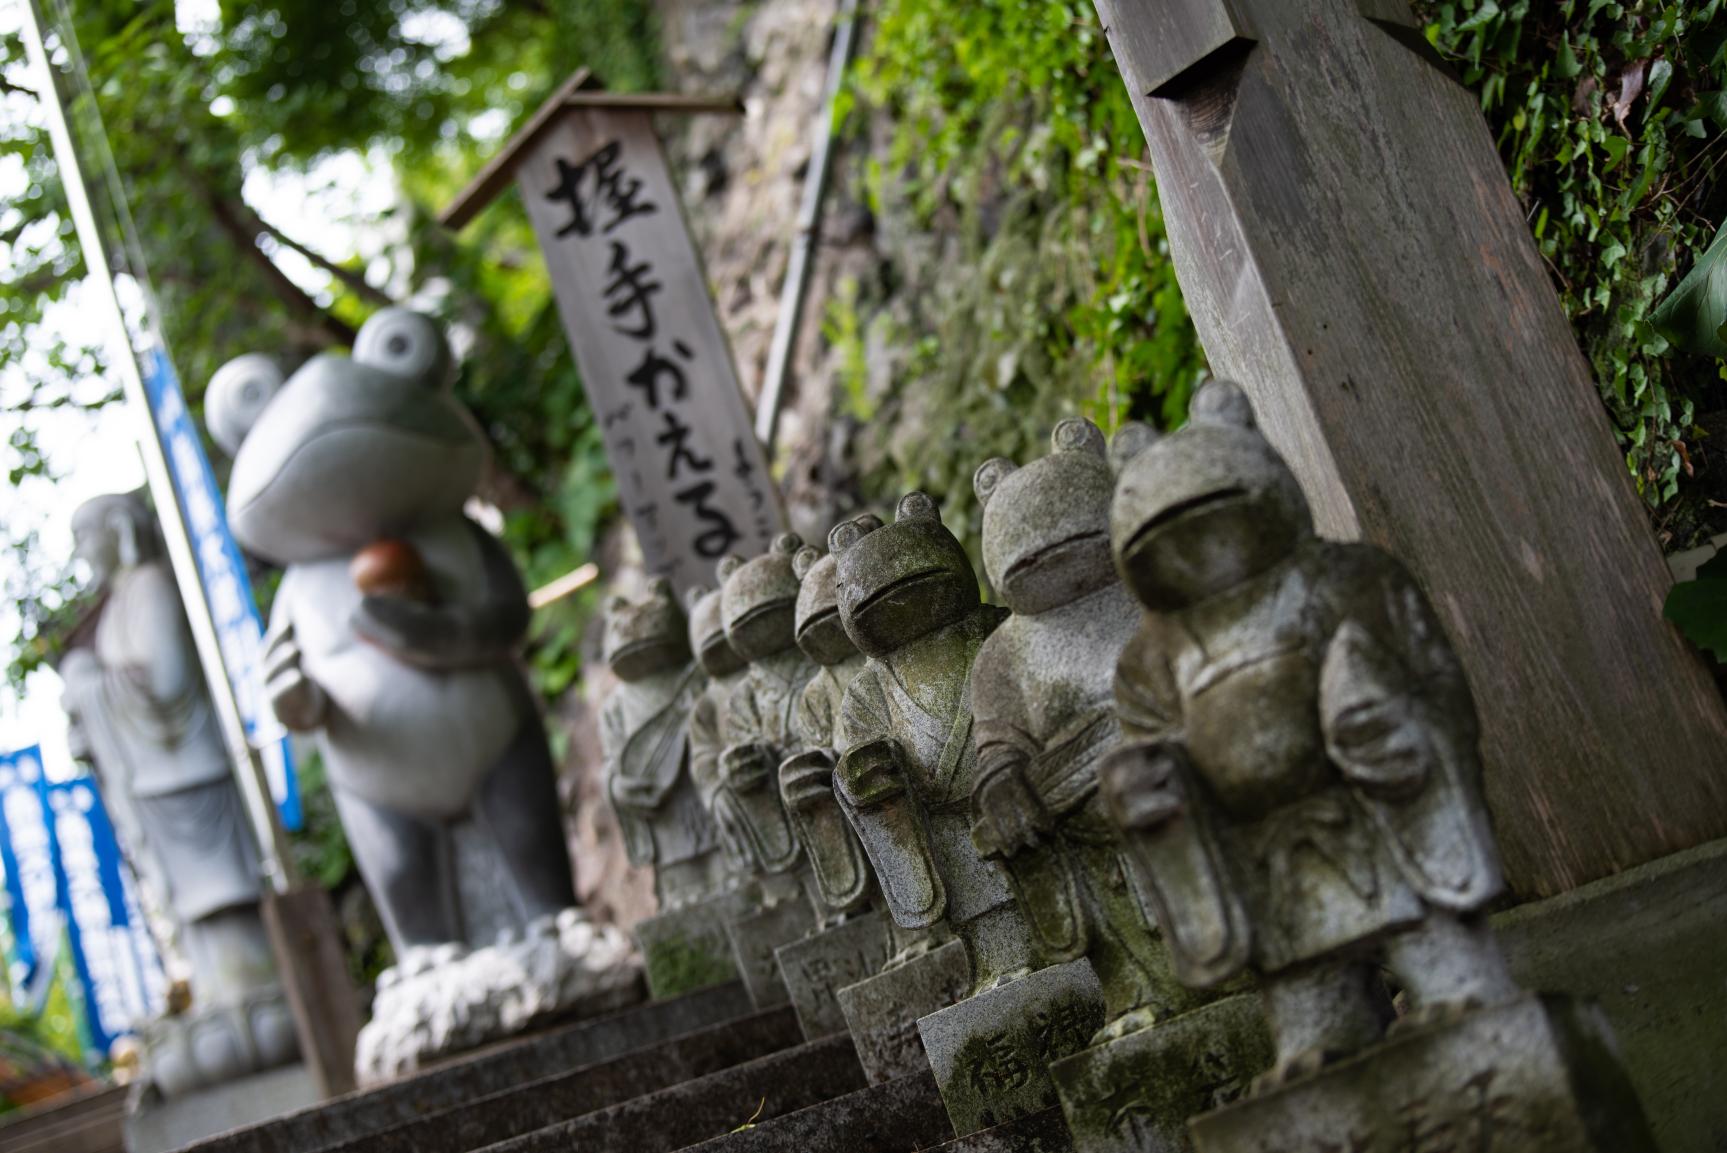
(581,90)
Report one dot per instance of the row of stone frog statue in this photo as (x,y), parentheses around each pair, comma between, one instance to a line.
(1194,742)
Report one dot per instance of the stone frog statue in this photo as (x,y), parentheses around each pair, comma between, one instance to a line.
(725,672)
(645,733)
(1301,780)
(1044,707)
(138,709)
(842,874)
(908,599)
(392,637)
(758,602)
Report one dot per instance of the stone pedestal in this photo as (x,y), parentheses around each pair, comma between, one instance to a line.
(882,1012)
(1135,1094)
(688,949)
(816,968)
(756,935)
(1648,946)
(155,1124)
(1535,1075)
(991,1053)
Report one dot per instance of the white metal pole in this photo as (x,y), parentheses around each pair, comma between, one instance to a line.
(277,865)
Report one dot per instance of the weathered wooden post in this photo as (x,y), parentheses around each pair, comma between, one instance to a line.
(1354,256)
(656,365)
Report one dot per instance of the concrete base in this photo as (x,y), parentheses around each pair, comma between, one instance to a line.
(358,1115)
(689,950)
(755,938)
(882,1013)
(991,1053)
(1537,1075)
(155,1124)
(816,968)
(1135,1094)
(1647,944)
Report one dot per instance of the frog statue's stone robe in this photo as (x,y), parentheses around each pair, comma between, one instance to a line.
(1042,692)
(725,672)
(141,714)
(908,764)
(645,734)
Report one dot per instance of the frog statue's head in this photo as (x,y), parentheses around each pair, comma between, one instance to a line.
(708,628)
(646,636)
(903,580)
(1207,507)
(820,632)
(1046,524)
(348,450)
(759,597)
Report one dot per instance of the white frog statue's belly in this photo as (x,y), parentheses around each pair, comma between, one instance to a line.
(419,740)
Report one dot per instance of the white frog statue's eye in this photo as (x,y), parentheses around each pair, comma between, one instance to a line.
(237,396)
(406,343)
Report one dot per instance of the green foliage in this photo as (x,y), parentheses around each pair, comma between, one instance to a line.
(1609,117)
(1027,242)
(1699,608)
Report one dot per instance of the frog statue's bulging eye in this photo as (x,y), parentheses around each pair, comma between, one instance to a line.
(917,506)
(237,396)
(404,343)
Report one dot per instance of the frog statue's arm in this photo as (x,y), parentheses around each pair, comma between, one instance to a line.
(298,701)
(1400,725)
(1008,816)
(1154,798)
(871,782)
(465,633)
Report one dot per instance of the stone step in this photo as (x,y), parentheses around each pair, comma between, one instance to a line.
(1042,1132)
(897,1116)
(563,1096)
(87,1121)
(706,1107)
(482,1074)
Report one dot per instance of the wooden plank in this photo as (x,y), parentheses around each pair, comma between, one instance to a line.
(306,939)
(581,90)
(500,170)
(1352,253)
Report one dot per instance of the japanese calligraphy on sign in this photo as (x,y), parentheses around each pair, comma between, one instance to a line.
(658,371)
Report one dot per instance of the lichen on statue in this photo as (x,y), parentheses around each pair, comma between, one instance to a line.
(908,598)
(1300,780)
(393,639)
(645,734)
(1042,694)
(139,711)
(758,604)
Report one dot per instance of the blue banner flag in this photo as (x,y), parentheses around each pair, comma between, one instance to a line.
(27,854)
(105,945)
(222,570)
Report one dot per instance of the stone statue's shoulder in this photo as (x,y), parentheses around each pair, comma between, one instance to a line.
(1147,695)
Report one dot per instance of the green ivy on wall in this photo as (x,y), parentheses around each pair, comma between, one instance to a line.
(1031,278)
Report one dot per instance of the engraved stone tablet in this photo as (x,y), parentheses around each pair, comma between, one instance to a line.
(882,1013)
(816,968)
(754,938)
(1535,1075)
(1135,1094)
(991,1053)
(688,949)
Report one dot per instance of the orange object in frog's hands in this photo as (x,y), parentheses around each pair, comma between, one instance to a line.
(392,568)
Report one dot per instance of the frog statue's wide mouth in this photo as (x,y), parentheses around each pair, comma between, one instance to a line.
(933,575)
(1062,549)
(1182,512)
(814,621)
(764,610)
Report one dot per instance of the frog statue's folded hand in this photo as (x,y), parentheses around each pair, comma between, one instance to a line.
(1300,780)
